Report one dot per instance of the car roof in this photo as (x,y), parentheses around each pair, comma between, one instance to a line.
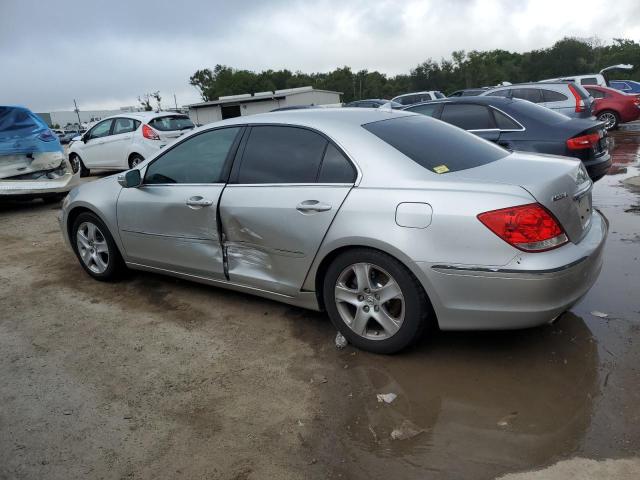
(416,93)
(143,116)
(470,99)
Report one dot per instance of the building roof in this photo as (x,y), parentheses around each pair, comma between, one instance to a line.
(259,96)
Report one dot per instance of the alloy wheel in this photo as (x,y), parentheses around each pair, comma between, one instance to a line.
(609,119)
(92,247)
(369,301)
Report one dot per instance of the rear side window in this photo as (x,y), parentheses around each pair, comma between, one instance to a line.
(336,168)
(467,116)
(503,122)
(171,122)
(534,95)
(553,96)
(281,155)
(428,109)
(589,81)
(434,145)
(125,125)
(440,95)
(198,159)
(595,93)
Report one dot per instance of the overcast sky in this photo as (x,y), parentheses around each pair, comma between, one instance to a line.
(106,54)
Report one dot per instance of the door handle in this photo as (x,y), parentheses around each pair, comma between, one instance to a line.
(312,206)
(198,202)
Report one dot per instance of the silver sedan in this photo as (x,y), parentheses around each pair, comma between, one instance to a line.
(392,222)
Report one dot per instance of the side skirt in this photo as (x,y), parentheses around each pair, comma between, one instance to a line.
(302,299)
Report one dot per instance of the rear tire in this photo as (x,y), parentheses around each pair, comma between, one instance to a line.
(135,159)
(610,118)
(375,301)
(95,248)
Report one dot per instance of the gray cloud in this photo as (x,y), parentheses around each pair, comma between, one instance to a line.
(106,54)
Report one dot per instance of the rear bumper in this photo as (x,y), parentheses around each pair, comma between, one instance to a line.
(598,167)
(531,290)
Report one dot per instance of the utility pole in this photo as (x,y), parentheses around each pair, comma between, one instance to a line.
(77,110)
(175,101)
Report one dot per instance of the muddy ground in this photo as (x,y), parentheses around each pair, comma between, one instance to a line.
(159,378)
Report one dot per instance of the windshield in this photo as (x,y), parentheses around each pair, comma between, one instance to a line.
(171,122)
(435,145)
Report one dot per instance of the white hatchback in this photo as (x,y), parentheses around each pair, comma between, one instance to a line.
(122,141)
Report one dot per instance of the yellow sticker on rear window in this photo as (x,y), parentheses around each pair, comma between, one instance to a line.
(441,169)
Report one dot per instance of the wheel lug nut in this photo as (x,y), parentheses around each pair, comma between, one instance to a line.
(377,296)
(376,308)
(366,290)
(366,308)
(360,298)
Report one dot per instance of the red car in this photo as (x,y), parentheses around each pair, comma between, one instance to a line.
(613,107)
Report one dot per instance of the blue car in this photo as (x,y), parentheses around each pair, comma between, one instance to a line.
(625,86)
(32,161)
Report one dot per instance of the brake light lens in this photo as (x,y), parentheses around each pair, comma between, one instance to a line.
(583,141)
(579,101)
(150,133)
(530,228)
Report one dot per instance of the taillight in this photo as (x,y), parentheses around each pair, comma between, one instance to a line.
(583,141)
(578,98)
(527,227)
(47,136)
(150,133)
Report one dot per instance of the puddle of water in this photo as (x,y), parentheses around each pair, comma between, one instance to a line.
(488,403)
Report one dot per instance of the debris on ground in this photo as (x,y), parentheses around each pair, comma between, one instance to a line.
(405,431)
(341,342)
(598,314)
(373,432)
(507,420)
(386,397)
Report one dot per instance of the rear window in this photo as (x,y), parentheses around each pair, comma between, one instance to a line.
(440,95)
(171,122)
(435,145)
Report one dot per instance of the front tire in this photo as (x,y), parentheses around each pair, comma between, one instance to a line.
(610,118)
(95,248)
(374,301)
(135,159)
(77,164)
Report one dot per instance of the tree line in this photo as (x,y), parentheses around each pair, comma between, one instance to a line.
(569,56)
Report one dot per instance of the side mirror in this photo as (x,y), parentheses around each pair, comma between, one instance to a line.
(85,138)
(130,178)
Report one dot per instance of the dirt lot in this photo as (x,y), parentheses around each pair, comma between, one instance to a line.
(159,378)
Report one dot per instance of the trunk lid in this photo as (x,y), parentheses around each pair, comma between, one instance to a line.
(560,184)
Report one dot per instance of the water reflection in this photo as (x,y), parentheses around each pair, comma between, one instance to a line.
(508,400)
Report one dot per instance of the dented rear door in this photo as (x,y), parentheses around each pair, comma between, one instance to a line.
(285,191)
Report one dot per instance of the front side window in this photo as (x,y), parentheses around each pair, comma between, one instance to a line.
(101,130)
(499,93)
(125,125)
(275,154)
(171,122)
(199,159)
(534,95)
(467,116)
(435,145)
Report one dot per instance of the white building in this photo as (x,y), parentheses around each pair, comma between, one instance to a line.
(248,104)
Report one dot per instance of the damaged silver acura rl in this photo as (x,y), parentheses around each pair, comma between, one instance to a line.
(32,161)
(388,220)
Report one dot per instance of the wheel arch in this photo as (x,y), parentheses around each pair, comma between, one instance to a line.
(75,212)
(315,278)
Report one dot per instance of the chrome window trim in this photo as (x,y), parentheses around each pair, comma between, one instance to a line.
(290,185)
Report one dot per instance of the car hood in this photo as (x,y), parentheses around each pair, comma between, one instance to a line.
(560,184)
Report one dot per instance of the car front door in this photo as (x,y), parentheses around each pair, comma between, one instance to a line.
(170,222)
(114,148)
(282,196)
(92,152)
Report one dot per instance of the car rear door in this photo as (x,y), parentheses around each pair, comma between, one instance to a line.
(477,119)
(285,189)
(170,222)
